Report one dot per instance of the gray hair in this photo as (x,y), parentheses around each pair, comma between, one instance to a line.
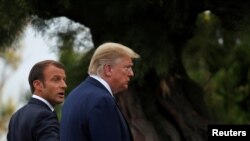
(108,53)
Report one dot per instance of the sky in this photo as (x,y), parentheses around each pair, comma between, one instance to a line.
(33,49)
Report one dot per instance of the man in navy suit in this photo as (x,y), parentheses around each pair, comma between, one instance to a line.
(37,121)
(90,112)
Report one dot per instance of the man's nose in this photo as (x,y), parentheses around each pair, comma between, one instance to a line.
(64,85)
(131,73)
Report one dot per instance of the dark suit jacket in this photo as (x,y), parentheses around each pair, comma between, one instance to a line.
(33,122)
(90,113)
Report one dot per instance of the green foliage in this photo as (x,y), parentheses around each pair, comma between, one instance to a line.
(10,58)
(218,59)
(5,112)
(12,22)
(72,61)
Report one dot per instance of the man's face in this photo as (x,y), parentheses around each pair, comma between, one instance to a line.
(53,86)
(121,74)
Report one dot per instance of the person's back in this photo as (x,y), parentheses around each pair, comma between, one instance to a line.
(78,109)
(17,132)
(71,115)
(21,127)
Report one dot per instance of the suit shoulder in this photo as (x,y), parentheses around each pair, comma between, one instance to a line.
(33,110)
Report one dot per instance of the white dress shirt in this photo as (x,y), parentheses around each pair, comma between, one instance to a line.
(44,101)
(104,83)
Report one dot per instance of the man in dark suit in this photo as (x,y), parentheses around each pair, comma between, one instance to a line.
(37,121)
(90,112)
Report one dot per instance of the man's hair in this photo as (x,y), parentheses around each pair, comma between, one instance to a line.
(36,72)
(108,53)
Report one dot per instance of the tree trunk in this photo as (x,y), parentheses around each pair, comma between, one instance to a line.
(166,109)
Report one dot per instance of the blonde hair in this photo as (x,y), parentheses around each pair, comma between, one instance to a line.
(108,53)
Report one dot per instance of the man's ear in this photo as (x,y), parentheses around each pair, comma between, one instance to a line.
(107,70)
(37,85)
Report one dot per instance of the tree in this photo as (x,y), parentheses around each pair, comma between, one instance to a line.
(163,102)
(219,63)
(9,59)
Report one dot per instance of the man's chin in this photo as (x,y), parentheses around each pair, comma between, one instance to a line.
(60,101)
(120,90)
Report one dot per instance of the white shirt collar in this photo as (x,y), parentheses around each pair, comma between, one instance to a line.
(104,83)
(43,100)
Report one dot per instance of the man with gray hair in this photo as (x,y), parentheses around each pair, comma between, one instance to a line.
(90,112)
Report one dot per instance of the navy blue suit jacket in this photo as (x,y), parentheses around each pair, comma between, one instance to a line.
(90,113)
(33,122)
